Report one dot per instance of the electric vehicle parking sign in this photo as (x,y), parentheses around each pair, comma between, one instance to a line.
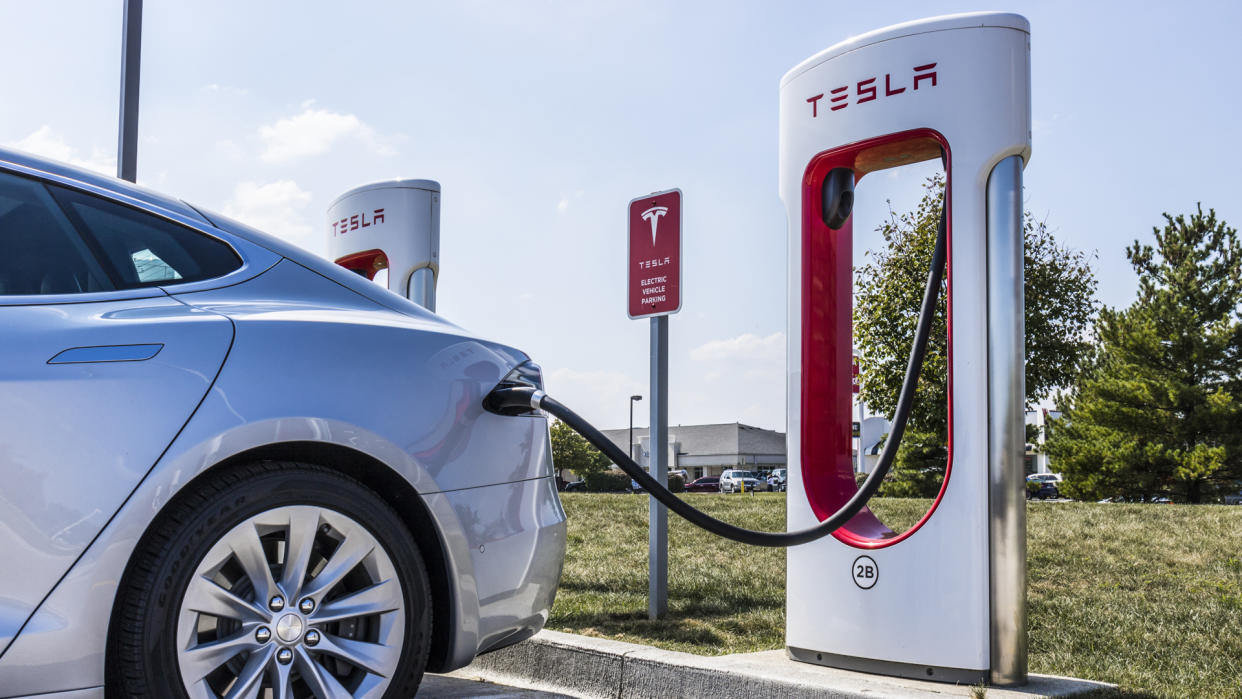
(655,254)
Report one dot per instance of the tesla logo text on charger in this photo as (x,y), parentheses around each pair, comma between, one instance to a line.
(356,221)
(868,90)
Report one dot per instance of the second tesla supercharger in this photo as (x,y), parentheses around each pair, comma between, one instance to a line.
(946,599)
(393,225)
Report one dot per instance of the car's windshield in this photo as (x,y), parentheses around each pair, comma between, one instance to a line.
(743,474)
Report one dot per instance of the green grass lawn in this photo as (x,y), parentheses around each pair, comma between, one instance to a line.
(1146,596)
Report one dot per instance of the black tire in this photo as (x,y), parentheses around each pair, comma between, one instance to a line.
(142,657)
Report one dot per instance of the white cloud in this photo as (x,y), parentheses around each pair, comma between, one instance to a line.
(49,144)
(217,88)
(745,347)
(563,205)
(315,131)
(276,208)
(739,378)
(228,149)
(602,397)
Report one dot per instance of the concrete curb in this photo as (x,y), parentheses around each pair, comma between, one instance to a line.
(595,668)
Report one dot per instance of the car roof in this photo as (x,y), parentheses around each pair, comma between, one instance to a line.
(95,179)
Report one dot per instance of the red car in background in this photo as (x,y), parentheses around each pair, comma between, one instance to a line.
(706,484)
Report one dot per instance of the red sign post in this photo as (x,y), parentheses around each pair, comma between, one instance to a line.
(655,254)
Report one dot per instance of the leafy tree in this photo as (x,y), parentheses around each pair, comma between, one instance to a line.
(1158,410)
(571,451)
(1060,290)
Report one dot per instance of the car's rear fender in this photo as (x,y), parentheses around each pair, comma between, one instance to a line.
(63,645)
(306,346)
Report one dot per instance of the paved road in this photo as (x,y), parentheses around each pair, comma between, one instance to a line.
(441,687)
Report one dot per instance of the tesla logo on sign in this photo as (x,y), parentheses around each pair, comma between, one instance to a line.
(654,262)
(653,214)
(868,90)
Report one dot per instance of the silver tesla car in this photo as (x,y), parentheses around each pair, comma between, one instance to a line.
(229,468)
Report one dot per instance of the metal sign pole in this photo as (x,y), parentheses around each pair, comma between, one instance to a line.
(657,541)
(131,60)
(654,291)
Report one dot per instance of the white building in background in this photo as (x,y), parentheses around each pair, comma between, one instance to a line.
(707,450)
(1036,459)
(870,442)
(870,432)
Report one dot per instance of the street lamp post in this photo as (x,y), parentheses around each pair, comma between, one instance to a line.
(633,399)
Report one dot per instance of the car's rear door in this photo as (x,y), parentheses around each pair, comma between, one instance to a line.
(99,368)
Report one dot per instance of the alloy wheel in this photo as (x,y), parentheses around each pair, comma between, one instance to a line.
(296,601)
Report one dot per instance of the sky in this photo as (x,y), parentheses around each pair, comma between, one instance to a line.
(542,120)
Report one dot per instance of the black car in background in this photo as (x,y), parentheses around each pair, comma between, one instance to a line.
(706,484)
(1046,491)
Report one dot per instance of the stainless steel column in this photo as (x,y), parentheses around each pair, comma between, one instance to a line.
(1006,423)
(657,514)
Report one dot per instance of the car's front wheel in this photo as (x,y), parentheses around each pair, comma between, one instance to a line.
(275,580)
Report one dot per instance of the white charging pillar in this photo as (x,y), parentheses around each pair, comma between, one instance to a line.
(946,599)
(392,225)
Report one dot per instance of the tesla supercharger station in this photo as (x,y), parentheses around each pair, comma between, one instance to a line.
(946,599)
(392,225)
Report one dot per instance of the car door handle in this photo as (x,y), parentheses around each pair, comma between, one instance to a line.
(107,353)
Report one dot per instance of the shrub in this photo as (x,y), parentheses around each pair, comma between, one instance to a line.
(676,483)
(607,481)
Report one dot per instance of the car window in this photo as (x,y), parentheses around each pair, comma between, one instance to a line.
(138,249)
(40,253)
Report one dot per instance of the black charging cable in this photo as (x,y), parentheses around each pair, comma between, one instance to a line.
(517,399)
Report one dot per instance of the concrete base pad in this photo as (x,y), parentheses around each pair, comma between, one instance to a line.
(590,667)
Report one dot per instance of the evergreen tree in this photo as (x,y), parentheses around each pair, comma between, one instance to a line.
(1059,293)
(1158,410)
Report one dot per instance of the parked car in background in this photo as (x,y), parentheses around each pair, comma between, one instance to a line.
(735,480)
(635,487)
(1045,491)
(778,480)
(1045,477)
(574,487)
(706,484)
(1136,499)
